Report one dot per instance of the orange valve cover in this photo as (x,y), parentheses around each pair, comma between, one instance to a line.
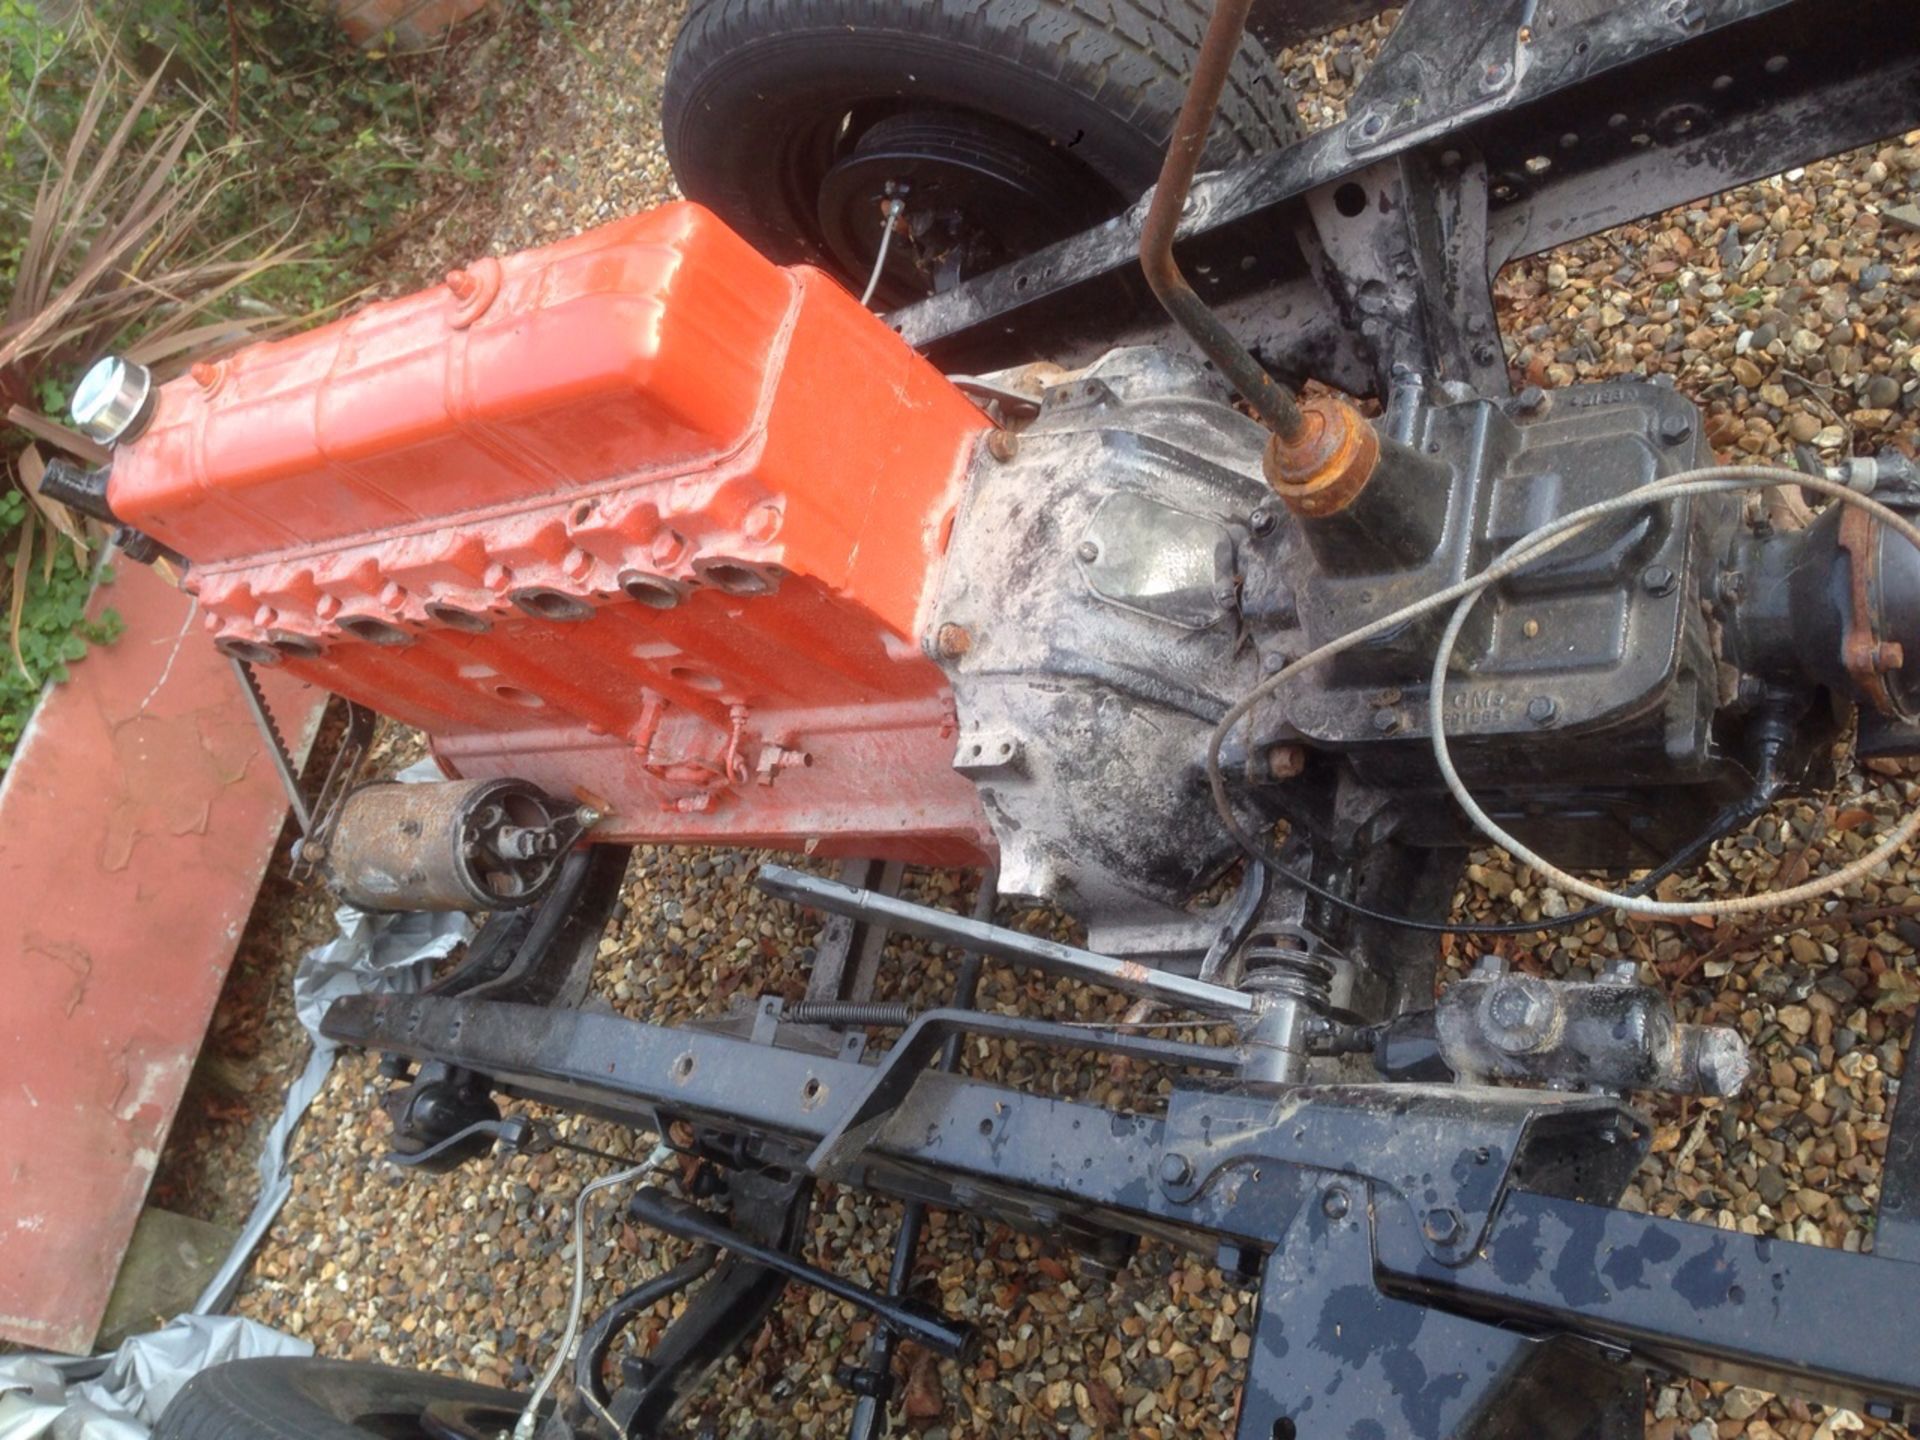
(640,517)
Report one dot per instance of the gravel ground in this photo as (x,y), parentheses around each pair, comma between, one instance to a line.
(1788,310)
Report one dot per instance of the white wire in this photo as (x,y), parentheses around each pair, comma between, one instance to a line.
(1550,537)
(524,1427)
(894,207)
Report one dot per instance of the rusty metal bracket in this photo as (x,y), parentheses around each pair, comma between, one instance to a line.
(1868,656)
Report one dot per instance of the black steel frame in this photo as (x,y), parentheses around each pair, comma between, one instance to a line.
(1433,1261)
(1487,130)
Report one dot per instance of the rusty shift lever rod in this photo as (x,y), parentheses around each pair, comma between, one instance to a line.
(1271,401)
(1323,455)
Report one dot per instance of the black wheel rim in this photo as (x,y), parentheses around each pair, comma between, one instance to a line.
(974,193)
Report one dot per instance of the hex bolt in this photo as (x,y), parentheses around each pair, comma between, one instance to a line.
(1675,428)
(1385,722)
(1335,1204)
(1088,552)
(1530,401)
(1285,762)
(1497,74)
(1541,709)
(952,641)
(1175,1169)
(1721,1062)
(1003,445)
(1658,580)
(1441,1226)
(1511,1006)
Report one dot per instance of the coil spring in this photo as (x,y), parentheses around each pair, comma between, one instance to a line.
(1279,963)
(849,1012)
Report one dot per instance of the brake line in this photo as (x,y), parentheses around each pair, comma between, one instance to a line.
(894,207)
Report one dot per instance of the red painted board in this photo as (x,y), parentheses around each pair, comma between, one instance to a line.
(135,823)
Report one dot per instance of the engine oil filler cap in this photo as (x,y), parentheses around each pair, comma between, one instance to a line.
(113,400)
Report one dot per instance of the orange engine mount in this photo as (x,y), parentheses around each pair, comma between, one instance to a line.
(639,517)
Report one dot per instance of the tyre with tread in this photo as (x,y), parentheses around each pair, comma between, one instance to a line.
(282,1398)
(764,97)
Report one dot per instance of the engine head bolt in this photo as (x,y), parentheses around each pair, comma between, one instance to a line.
(668,546)
(1088,552)
(577,563)
(1675,428)
(1335,1204)
(1261,522)
(1530,401)
(1658,580)
(463,285)
(1003,445)
(1441,1226)
(762,523)
(1175,1168)
(1385,722)
(1541,709)
(392,596)
(206,374)
(952,641)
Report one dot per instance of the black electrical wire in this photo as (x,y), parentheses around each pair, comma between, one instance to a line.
(1734,817)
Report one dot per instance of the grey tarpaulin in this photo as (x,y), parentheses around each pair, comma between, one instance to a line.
(42,1399)
(373,954)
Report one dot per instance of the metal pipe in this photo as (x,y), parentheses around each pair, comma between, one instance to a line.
(1032,952)
(1271,401)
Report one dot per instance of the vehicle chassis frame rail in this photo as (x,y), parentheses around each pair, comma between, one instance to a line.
(1485,131)
(1442,1258)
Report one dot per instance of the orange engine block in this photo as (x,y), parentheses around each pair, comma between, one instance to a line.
(640,517)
